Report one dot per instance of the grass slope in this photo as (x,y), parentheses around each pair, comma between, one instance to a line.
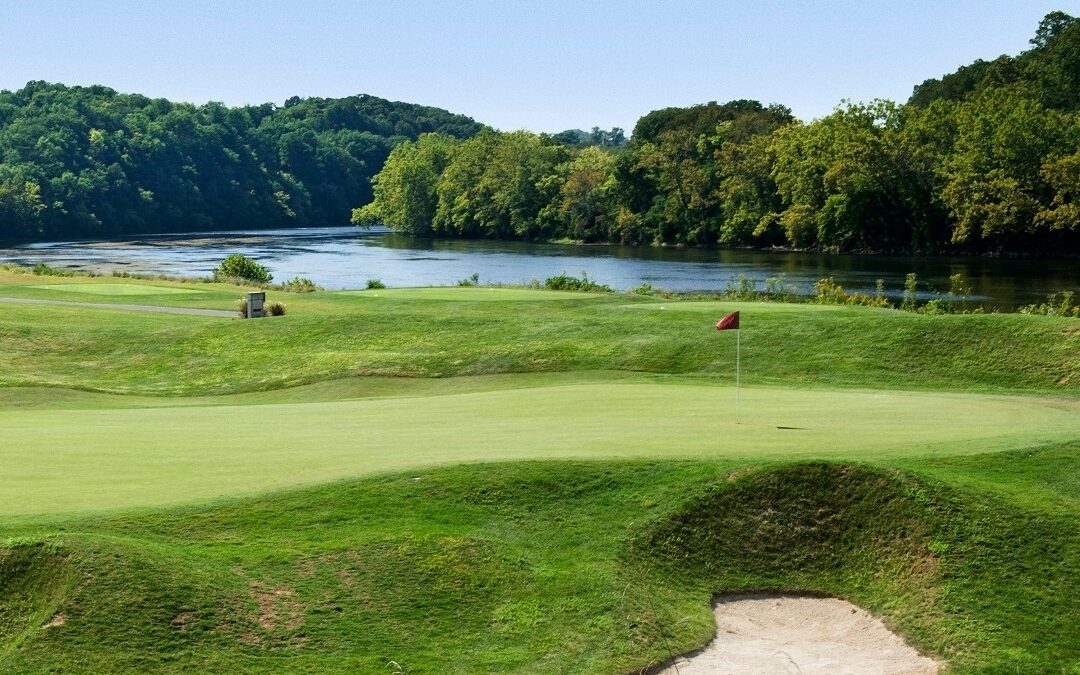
(453,332)
(549,567)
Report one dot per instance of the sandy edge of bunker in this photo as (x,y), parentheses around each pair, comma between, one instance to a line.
(774,633)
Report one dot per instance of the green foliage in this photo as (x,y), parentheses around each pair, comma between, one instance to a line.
(563,282)
(90,162)
(909,302)
(299,285)
(375,284)
(986,162)
(1056,304)
(45,270)
(472,280)
(275,309)
(828,292)
(237,266)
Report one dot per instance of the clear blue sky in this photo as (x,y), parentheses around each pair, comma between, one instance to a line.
(540,65)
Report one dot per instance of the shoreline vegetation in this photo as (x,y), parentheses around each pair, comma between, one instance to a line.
(825,291)
(983,161)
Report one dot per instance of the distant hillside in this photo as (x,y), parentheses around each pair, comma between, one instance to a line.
(88,161)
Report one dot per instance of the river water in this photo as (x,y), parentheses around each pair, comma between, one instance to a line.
(346,257)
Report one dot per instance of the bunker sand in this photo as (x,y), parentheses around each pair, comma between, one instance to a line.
(794,634)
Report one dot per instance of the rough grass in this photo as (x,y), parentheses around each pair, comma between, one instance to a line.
(454,332)
(553,567)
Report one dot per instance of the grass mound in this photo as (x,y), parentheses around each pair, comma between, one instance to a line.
(34,578)
(805,521)
(553,567)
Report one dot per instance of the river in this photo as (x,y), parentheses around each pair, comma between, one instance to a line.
(346,257)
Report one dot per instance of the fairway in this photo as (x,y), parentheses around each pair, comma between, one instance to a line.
(59,460)
(116,289)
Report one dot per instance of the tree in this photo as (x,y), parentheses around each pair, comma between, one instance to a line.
(406,190)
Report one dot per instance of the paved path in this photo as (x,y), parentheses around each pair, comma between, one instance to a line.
(130,308)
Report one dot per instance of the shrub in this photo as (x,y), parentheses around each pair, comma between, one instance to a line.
(43,270)
(275,309)
(828,292)
(1056,304)
(563,282)
(644,289)
(909,303)
(743,288)
(241,308)
(374,284)
(472,280)
(299,285)
(777,288)
(238,266)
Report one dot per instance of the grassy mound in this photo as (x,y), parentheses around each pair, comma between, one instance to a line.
(801,521)
(560,567)
(34,579)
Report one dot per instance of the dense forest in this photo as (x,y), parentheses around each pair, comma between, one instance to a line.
(90,162)
(986,159)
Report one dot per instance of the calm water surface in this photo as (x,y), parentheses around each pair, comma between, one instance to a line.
(346,257)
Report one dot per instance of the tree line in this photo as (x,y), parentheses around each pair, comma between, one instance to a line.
(90,162)
(986,159)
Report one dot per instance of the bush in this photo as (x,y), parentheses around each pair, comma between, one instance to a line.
(241,308)
(374,284)
(563,282)
(237,266)
(909,303)
(744,288)
(828,292)
(43,270)
(275,309)
(1055,305)
(644,289)
(472,280)
(299,285)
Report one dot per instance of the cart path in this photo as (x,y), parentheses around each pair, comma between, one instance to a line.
(130,308)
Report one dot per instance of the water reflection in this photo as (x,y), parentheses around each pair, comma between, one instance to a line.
(347,257)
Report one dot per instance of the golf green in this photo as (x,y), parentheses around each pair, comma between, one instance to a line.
(66,460)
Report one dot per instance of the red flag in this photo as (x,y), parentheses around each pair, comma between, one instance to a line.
(729,322)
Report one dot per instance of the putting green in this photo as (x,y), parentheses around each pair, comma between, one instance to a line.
(84,460)
(116,289)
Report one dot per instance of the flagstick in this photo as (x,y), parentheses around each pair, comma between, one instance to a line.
(737,332)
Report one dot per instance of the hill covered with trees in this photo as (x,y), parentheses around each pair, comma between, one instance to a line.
(986,159)
(91,162)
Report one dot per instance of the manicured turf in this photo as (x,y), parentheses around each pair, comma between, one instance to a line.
(453,332)
(116,289)
(137,457)
(344,525)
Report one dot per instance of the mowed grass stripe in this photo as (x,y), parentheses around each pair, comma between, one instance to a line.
(87,460)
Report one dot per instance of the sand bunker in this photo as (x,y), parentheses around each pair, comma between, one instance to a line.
(793,634)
